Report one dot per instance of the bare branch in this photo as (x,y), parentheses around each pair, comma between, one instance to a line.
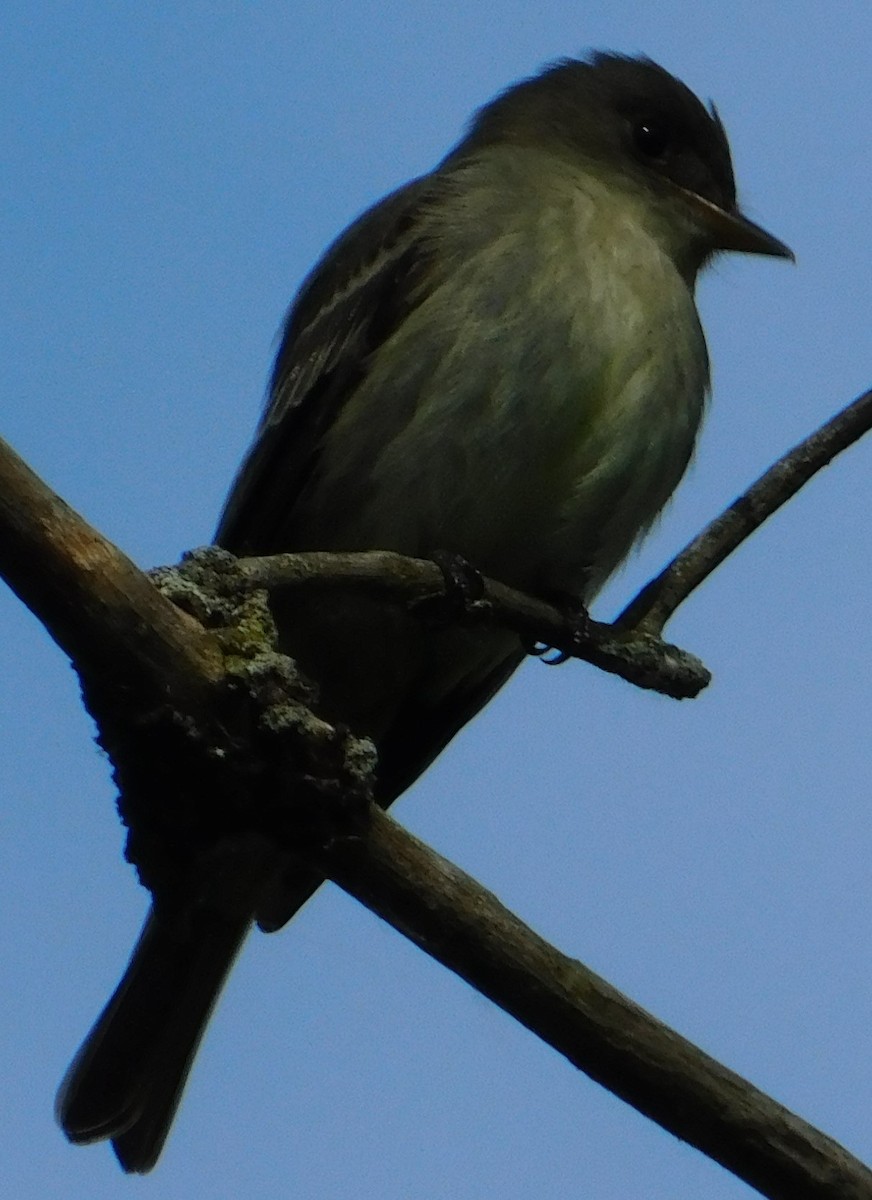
(110,617)
(599,1030)
(96,604)
(641,659)
(656,603)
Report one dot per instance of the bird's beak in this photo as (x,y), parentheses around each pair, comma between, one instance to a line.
(732,230)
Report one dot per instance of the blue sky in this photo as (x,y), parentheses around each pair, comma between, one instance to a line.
(170,173)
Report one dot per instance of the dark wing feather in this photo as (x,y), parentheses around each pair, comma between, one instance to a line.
(421,733)
(355,298)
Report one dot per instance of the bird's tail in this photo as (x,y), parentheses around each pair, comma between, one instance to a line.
(126,1081)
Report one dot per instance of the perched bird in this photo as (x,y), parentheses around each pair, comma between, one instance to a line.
(501,360)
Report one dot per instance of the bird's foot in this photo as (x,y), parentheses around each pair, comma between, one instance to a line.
(463,591)
(581,628)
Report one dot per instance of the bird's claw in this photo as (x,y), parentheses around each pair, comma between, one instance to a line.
(581,627)
(464,588)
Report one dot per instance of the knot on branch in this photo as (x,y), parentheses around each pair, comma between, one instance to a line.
(250,758)
(210,585)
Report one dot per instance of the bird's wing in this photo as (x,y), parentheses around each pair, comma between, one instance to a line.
(362,289)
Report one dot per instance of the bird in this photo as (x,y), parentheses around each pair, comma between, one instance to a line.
(502,360)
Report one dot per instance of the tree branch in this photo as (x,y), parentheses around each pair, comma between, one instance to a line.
(116,625)
(599,1030)
(641,658)
(97,605)
(656,603)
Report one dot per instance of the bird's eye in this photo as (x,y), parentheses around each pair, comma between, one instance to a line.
(652,137)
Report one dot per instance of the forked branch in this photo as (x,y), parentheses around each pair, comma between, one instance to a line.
(118,628)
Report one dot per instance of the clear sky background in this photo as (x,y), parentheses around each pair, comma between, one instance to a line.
(169,174)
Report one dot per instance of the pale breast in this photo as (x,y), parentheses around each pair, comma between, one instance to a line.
(538,408)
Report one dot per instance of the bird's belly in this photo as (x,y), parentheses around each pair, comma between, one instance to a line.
(538,436)
(546,494)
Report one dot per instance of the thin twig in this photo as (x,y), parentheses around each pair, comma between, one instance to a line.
(656,603)
(419,583)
